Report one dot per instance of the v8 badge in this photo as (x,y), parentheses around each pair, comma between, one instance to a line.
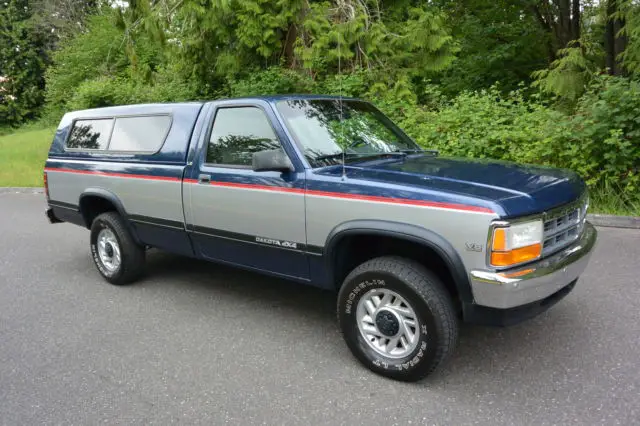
(474,247)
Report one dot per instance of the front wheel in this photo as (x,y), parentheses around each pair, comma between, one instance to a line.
(115,253)
(397,318)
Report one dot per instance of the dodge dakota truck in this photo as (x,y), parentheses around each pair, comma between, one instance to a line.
(329,192)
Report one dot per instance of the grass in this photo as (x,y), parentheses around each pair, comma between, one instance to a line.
(23,153)
(22,156)
(608,200)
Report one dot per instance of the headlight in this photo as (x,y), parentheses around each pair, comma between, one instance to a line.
(515,244)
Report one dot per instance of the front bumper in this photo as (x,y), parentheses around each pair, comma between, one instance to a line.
(535,282)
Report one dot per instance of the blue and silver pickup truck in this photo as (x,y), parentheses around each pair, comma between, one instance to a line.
(329,192)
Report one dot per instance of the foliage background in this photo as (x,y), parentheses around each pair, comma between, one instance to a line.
(552,82)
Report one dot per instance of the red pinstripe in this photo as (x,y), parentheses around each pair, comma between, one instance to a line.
(378,199)
(406,201)
(111,174)
(259,187)
(373,198)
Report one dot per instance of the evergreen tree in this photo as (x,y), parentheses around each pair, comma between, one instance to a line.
(23,60)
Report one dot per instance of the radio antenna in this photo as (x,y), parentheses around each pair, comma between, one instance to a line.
(344,172)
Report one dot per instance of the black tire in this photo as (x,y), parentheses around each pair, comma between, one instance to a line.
(430,302)
(132,255)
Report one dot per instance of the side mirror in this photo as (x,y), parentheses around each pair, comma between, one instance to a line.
(271,160)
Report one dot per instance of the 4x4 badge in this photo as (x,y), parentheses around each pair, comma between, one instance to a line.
(287,244)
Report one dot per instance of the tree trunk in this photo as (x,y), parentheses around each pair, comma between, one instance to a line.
(564,22)
(614,45)
(289,43)
(609,38)
(561,19)
(620,44)
(575,19)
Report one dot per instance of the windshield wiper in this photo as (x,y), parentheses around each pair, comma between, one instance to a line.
(418,151)
(359,155)
(332,156)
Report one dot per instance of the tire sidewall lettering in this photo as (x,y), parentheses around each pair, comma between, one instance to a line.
(96,257)
(420,356)
(367,284)
(415,359)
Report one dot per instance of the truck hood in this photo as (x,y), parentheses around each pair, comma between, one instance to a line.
(519,189)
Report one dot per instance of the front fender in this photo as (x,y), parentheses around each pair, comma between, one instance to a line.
(413,233)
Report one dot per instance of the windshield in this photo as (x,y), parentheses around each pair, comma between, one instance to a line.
(363,131)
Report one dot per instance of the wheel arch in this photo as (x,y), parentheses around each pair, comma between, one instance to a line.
(412,234)
(95,201)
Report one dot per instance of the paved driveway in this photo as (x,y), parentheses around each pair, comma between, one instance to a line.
(196,343)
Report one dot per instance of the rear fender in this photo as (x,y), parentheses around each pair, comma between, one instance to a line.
(114,200)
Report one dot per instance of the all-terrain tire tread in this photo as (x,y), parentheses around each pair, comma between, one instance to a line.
(429,287)
(133,255)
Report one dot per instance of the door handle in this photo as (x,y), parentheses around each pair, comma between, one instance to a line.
(204,178)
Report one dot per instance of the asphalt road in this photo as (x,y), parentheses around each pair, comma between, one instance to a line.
(197,343)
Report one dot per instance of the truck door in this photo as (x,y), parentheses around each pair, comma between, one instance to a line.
(239,216)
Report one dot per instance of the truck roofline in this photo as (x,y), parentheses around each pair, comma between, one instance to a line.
(133,108)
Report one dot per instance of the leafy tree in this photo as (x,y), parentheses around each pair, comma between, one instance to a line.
(610,42)
(22,63)
(143,38)
(62,18)
(89,55)
(570,74)
(214,41)
(500,42)
(97,53)
(623,46)
(353,35)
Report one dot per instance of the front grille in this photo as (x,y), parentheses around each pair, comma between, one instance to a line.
(563,226)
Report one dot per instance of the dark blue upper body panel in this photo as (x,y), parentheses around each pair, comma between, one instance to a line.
(508,189)
(173,151)
(512,189)
(276,98)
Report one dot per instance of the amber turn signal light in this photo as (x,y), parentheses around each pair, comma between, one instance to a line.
(499,240)
(516,256)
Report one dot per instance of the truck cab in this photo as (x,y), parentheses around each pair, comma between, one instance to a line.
(325,191)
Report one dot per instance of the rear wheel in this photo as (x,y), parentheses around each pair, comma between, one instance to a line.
(397,318)
(115,253)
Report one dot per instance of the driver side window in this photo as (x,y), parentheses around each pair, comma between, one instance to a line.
(237,133)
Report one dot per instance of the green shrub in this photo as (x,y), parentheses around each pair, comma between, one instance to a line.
(278,80)
(605,134)
(271,81)
(487,124)
(104,91)
(355,84)
(600,141)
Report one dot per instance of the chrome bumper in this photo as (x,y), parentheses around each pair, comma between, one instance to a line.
(535,281)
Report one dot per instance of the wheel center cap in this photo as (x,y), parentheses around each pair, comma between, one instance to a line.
(387,323)
(109,250)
